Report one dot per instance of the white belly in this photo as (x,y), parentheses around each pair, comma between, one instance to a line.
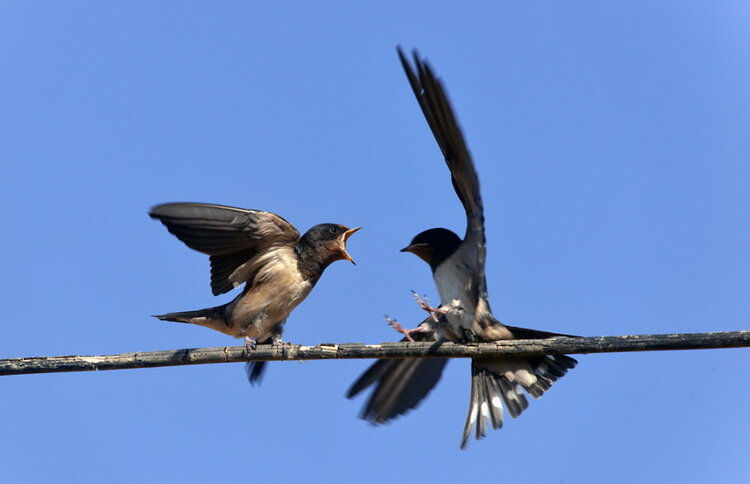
(453,281)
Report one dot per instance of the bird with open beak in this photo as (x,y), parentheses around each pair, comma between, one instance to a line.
(458,270)
(262,250)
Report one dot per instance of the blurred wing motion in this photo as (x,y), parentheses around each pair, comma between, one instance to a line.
(400,384)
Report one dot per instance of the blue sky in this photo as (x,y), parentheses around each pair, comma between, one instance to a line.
(612,145)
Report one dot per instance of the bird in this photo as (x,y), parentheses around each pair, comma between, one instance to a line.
(260,249)
(458,269)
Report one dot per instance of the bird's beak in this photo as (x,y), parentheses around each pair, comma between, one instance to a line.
(414,248)
(420,250)
(344,238)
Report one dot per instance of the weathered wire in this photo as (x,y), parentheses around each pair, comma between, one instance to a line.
(231,354)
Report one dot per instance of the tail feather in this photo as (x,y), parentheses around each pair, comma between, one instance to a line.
(484,408)
(471,418)
(199,317)
(495,382)
(526,333)
(510,393)
(495,404)
(214,318)
(255,371)
(182,317)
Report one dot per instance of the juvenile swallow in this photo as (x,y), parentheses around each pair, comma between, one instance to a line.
(262,250)
(465,316)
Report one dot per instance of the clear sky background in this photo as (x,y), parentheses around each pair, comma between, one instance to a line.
(612,145)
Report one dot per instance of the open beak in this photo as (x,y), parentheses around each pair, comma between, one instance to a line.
(344,238)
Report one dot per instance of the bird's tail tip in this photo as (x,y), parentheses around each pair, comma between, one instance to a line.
(174,317)
(255,371)
(498,382)
(194,317)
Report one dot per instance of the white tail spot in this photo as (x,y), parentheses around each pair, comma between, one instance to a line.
(473,414)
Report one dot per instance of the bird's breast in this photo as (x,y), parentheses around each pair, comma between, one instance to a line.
(453,280)
(272,297)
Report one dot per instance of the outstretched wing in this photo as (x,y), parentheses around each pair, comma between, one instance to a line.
(437,110)
(400,385)
(230,236)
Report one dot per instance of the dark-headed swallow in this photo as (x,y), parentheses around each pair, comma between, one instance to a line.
(262,250)
(458,270)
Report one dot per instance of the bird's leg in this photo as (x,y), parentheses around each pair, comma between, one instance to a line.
(425,304)
(250,344)
(276,335)
(277,341)
(397,326)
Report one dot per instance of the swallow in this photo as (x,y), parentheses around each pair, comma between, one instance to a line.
(458,269)
(260,249)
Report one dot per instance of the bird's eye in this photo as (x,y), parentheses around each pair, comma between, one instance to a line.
(334,230)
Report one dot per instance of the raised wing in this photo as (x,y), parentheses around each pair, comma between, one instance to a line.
(437,110)
(230,236)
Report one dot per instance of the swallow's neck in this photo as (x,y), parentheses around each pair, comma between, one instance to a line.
(442,251)
(311,262)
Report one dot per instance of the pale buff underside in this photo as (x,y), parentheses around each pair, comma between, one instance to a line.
(277,289)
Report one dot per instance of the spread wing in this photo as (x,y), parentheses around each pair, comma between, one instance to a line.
(230,236)
(437,110)
(400,385)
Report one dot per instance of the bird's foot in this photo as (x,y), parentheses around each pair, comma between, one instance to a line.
(397,326)
(250,344)
(277,341)
(425,304)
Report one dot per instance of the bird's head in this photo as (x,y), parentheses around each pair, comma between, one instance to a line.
(433,246)
(329,241)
